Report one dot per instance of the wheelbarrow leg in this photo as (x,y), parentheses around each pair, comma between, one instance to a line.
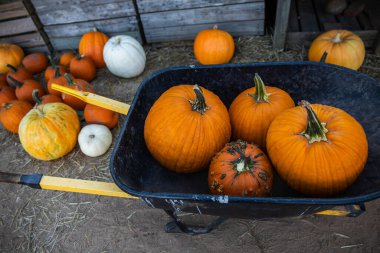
(176,226)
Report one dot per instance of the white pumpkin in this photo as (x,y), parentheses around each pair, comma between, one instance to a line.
(124,56)
(94,140)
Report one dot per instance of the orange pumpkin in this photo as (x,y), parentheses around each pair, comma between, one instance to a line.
(253,110)
(3,80)
(344,48)
(97,115)
(213,46)
(57,79)
(12,113)
(66,58)
(77,84)
(91,45)
(240,169)
(317,149)
(10,54)
(35,62)
(25,89)
(49,131)
(50,71)
(83,67)
(45,99)
(185,127)
(7,94)
(20,74)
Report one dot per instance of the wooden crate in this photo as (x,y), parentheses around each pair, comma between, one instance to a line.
(307,19)
(171,20)
(17,26)
(65,21)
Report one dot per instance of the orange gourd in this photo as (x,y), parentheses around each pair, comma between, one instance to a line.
(77,84)
(240,169)
(3,80)
(20,74)
(35,62)
(91,45)
(344,48)
(57,79)
(253,110)
(45,99)
(50,70)
(97,115)
(213,46)
(10,54)
(66,58)
(185,127)
(318,150)
(12,113)
(7,94)
(49,131)
(25,89)
(83,67)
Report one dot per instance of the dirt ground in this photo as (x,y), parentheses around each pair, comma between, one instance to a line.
(50,221)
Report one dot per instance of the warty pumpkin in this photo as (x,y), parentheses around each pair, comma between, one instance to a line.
(83,67)
(49,131)
(240,169)
(213,46)
(344,48)
(7,94)
(185,127)
(91,45)
(35,62)
(10,54)
(253,110)
(97,115)
(12,113)
(76,84)
(318,150)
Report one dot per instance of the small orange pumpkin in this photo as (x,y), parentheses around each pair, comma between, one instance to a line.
(185,127)
(66,58)
(25,89)
(57,79)
(77,84)
(7,94)
(344,48)
(83,67)
(253,110)
(214,46)
(97,115)
(3,80)
(318,150)
(10,54)
(20,74)
(91,45)
(50,70)
(45,99)
(35,62)
(12,113)
(240,169)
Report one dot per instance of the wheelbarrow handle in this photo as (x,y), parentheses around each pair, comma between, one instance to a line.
(40,181)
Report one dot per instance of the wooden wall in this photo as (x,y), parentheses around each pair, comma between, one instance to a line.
(65,21)
(168,20)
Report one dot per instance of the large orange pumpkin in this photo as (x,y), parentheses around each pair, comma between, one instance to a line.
(185,127)
(344,48)
(253,110)
(10,54)
(317,149)
(214,46)
(240,169)
(12,113)
(49,131)
(91,45)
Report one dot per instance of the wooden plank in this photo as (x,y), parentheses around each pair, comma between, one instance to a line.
(349,23)
(293,18)
(326,20)
(242,28)
(282,18)
(63,12)
(73,42)
(376,45)
(12,10)
(28,50)
(125,24)
(308,18)
(25,40)
(238,12)
(146,6)
(17,26)
(365,22)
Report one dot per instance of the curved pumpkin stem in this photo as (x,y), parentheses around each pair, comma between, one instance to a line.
(35,97)
(315,130)
(52,61)
(260,95)
(324,56)
(199,104)
(69,79)
(16,82)
(13,68)
(337,38)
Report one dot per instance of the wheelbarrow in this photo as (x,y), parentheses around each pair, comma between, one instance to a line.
(137,175)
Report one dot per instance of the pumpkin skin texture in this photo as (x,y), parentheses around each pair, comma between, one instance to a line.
(213,46)
(91,45)
(240,169)
(76,84)
(7,94)
(253,110)
(10,54)
(35,63)
(185,128)
(66,58)
(344,48)
(319,151)
(124,56)
(12,113)
(49,131)
(83,67)
(97,115)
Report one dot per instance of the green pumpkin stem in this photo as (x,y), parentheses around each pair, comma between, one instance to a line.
(35,97)
(243,163)
(13,68)
(315,130)
(199,104)
(15,81)
(260,95)
(324,56)
(52,62)
(69,79)
(56,73)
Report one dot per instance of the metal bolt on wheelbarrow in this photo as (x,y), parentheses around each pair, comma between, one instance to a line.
(137,175)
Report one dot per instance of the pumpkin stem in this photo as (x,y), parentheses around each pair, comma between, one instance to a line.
(199,104)
(13,68)
(69,79)
(15,81)
(35,96)
(56,73)
(337,38)
(315,130)
(7,105)
(242,163)
(324,56)
(260,95)
(215,27)
(52,61)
